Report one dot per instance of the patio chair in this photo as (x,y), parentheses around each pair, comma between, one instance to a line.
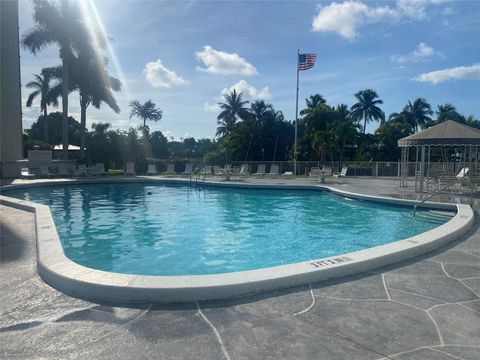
(274,170)
(244,170)
(217,170)
(288,173)
(63,170)
(170,169)
(236,170)
(227,170)
(207,170)
(130,169)
(315,172)
(342,173)
(80,170)
(100,169)
(25,173)
(45,171)
(152,171)
(188,169)
(260,170)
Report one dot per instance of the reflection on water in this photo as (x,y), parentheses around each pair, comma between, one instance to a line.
(176,230)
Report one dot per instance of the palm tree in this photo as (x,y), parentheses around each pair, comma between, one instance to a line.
(233,107)
(417,114)
(146,111)
(448,112)
(48,94)
(94,89)
(259,109)
(57,23)
(367,107)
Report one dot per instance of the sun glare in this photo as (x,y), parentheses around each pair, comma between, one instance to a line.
(95,27)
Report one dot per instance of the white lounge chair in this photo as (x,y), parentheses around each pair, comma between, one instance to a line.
(227,170)
(130,169)
(463,173)
(152,171)
(44,171)
(274,170)
(207,170)
(342,173)
(25,173)
(315,172)
(170,169)
(288,173)
(100,169)
(188,169)
(260,170)
(244,170)
(217,170)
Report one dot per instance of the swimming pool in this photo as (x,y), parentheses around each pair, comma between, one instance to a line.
(171,229)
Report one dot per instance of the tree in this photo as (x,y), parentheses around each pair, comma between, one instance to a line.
(417,114)
(61,24)
(388,135)
(367,107)
(55,129)
(48,95)
(146,111)
(233,107)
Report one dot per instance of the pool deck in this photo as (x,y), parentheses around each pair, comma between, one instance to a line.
(425,308)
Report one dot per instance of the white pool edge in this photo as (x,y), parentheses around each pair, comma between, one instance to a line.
(80,281)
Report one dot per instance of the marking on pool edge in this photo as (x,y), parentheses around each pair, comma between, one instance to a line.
(331,261)
(215,331)
(311,305)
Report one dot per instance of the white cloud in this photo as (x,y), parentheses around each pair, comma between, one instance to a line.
(456,73)
(159,76)
(168,134)
(249,92)
(211,107)
(422,52)
(347,17)
(223,63)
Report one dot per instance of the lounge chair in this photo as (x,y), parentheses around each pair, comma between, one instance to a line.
(236,170)
(80,170)
(44,171)
(260,170)
(100,169)
(342,173)
(462,173)
(170,169)
(130,169)
(207,170)
(274,170)
(152,171)
(188,169)
(217,170)
(315,172)
(244,170)
(63,170)
(227,170)
(288,173)
(25,173)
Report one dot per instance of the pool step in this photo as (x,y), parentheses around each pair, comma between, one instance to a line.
(434,216)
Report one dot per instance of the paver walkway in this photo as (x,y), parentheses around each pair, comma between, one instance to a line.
(427,308)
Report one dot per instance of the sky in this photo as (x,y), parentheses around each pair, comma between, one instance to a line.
(183,55)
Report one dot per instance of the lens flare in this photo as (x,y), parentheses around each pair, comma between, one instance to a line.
(98,35)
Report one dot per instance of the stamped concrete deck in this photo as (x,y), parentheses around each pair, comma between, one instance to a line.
(427,308)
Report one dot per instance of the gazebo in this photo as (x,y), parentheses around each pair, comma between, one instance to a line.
(444,153)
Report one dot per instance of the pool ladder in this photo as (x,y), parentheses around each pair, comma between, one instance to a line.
(430,196)
(195,176)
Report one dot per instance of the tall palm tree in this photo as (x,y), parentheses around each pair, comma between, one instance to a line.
(61,24)
(146,111)
(259,109)
(417,114)
(233,107)
(48,95)
(367,107)
(446,112)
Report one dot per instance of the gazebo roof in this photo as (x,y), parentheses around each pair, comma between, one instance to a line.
(447,133)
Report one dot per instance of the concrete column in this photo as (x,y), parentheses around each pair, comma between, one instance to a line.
(10,93)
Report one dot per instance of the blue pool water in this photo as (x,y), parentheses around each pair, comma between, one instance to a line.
(151,229)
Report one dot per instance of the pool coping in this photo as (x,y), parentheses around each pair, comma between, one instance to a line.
(80,281)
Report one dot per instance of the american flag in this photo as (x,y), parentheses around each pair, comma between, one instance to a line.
(306,61)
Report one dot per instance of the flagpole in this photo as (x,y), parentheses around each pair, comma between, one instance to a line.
(296,121)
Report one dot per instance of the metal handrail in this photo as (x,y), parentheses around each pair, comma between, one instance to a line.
(430,196)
